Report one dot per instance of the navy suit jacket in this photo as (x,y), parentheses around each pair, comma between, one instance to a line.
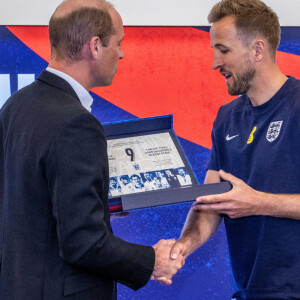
(56,240)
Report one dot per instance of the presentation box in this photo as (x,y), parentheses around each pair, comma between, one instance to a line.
(147,166)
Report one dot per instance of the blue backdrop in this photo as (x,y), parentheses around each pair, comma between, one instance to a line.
(206,274)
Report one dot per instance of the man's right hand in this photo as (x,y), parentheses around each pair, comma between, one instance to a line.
(179,249)
(165,268)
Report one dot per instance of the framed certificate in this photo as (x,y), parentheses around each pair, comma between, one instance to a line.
(144,157)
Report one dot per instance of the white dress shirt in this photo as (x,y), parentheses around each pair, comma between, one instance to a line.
(83,95)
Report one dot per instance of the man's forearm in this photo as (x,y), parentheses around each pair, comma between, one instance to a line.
(279,205)
(199,225)
(198,228)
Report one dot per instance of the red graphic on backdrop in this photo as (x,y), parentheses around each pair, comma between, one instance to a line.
(166,70)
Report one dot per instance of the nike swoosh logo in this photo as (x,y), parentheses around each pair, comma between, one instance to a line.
(228,138)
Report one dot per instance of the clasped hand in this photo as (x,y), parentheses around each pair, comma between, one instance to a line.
(165,267)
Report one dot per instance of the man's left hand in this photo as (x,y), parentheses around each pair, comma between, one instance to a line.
(241,201)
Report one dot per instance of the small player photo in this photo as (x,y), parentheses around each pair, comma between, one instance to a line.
(137,183)
(114,187)
(149,183)
(172,178)
(183,177)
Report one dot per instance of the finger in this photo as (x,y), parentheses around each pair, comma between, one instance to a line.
(219,212)
(229,177)
(181,262)
(165,281)
(211,199)
(123,214)
(178,266)
(160,279)
(119,215)
(164,243)
(210,207)
(171,241)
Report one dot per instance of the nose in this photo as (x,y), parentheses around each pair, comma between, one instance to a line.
(217,61)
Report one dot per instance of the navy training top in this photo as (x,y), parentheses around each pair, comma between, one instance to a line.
(261,146)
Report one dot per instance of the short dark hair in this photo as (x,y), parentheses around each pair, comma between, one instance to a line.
(252,18)
(69,33)
(134,175)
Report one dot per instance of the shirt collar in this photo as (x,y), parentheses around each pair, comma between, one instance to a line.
(83,95)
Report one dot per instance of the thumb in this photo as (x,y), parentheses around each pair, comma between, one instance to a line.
(176,250)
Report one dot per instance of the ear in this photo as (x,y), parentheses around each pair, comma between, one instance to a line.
(95,46)
(260,49)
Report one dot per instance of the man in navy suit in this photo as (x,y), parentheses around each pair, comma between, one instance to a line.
(56,240)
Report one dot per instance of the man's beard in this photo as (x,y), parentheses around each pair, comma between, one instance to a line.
(241,84)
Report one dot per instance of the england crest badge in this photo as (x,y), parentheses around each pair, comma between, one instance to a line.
(273,131)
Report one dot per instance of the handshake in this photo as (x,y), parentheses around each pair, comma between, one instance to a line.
(169,258)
